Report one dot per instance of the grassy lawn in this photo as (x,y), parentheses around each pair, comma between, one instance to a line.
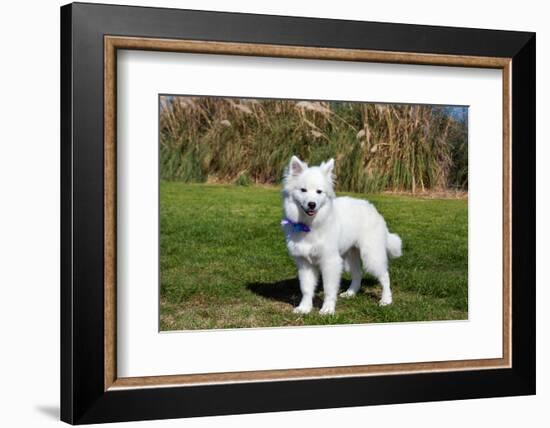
(224,263)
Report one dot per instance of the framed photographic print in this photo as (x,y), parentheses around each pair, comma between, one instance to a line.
(266,213)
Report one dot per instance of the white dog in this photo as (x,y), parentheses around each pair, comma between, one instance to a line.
(327,234)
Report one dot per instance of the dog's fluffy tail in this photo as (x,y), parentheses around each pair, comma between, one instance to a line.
(393,245)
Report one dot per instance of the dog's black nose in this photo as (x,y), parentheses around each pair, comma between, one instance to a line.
(311,205)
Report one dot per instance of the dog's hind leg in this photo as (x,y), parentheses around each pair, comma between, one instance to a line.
(353,260)
(386,298)
(308,275)
(376,263)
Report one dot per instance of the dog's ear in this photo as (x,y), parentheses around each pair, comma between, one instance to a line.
(327,167)
(296,166)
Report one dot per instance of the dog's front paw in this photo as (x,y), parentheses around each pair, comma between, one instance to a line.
(328,308)
(347,294)
(302,309)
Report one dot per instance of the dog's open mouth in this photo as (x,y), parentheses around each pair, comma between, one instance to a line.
(309,211)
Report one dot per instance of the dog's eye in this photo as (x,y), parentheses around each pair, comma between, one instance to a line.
(319,191)
(303,190)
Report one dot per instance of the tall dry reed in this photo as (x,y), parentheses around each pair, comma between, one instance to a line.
(376,146)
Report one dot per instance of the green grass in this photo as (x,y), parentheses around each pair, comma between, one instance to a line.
(224,263)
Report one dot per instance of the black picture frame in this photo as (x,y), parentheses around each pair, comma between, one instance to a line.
(83,398)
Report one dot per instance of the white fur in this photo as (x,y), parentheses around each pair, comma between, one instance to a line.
(346,234)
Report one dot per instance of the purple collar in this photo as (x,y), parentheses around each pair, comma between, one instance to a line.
(296,227)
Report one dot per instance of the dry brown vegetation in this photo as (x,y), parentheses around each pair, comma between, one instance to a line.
(377,147)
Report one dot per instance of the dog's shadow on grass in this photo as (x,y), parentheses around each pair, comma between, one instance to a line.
(288,290)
